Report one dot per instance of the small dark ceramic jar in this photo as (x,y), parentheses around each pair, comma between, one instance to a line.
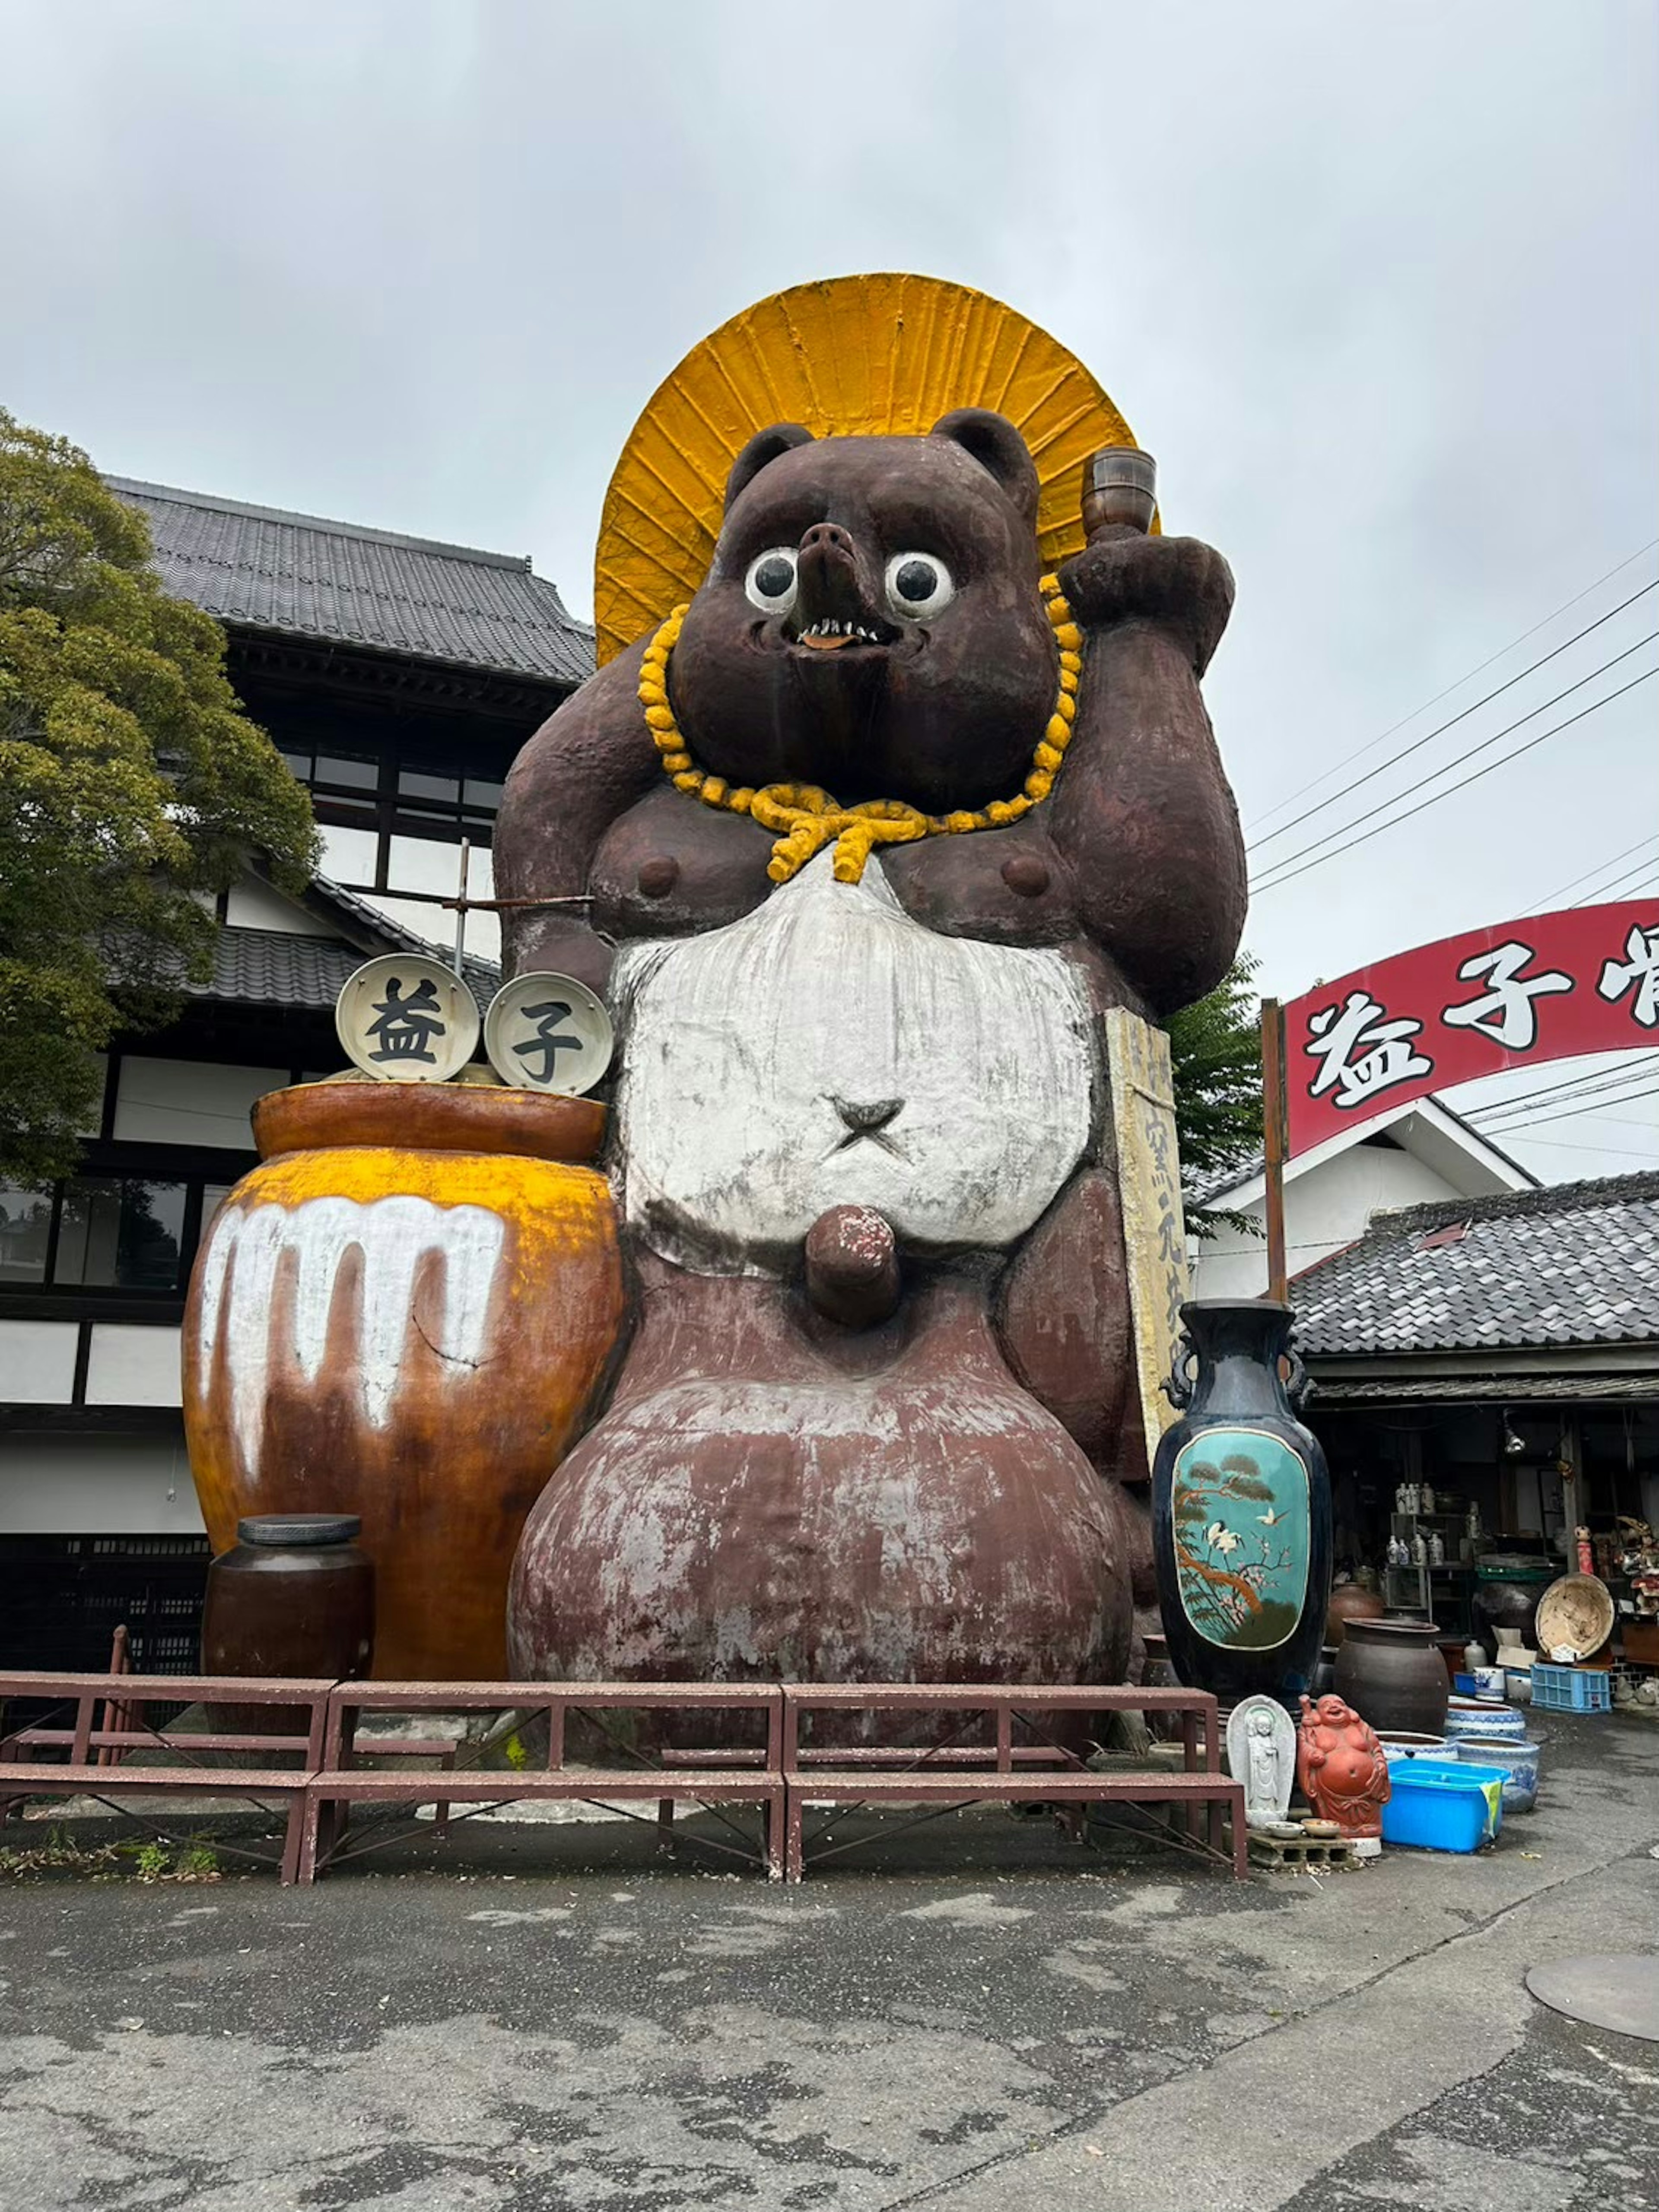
(1392,1673)
(294,1595)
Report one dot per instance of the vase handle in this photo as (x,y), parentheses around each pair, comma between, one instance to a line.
(1297,1383)
(1183,1377)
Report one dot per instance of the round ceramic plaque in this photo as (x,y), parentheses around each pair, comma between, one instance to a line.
(407,1019)
(548,1033)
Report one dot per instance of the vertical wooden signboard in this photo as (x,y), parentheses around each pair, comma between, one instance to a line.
(1154,1230)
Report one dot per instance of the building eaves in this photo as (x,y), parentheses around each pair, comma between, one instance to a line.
(304,576)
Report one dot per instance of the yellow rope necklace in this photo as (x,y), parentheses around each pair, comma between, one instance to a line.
(805,819)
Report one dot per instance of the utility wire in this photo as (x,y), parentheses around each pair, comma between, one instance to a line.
(1554,1094)
(1463,715)
(1360,751)
(1584,1078)
(1616,1151)
(1481,745)
(1568,1113)
(1291,872)
(1626,885)
(1611,860)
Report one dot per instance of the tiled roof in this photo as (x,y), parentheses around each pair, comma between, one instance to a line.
(1577,1265)
(277,967)
(305,577)
(273,968)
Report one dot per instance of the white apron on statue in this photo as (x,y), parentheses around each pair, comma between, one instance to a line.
(828,1050)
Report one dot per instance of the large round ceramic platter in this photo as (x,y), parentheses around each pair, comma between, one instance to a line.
(407,1019)
(1575,1617)
(548,1032)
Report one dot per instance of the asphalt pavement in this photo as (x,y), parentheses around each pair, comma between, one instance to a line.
(975,2016)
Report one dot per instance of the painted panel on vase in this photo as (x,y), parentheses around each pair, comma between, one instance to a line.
(1240,1505)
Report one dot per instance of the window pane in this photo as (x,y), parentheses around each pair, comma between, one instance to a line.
(352,769)
(413,786)
(349,855)
(299,762)
(24,1224)
(120,1234)
(424,864)
(486,797)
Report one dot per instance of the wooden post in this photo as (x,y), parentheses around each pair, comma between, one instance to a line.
(1274,1131)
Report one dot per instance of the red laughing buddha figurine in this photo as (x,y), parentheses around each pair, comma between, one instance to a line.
(1341,1766)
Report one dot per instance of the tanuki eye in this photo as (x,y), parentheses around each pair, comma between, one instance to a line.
(918,584)
(771,582)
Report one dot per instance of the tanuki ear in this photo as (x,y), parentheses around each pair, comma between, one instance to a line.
(1000,450)
(765,446)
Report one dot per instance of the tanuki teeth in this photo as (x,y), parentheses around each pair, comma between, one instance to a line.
(842,629)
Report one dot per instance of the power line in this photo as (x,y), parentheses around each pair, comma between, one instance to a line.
(1324,836)
(1360,751)
(1463,715)
(1567,1113)
(1587,1082)
(1567,1099)
(1618,1152)
(1632,878)
(1291,872)
(1613,859)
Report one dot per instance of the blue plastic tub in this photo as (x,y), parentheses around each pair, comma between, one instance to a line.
(1443,1805)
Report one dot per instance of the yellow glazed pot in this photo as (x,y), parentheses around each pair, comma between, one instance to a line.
(404,1313)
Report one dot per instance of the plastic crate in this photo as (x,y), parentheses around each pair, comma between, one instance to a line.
(1443,1805)
(1571,1689)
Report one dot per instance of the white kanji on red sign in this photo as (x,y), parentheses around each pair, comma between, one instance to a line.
(1639,972)
(1362,1052)
(1504,1010)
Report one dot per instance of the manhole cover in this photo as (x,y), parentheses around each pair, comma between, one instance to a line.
(1618,1990)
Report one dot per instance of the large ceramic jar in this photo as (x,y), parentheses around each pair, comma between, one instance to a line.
(1507,1589)
(1351,1602)
(404,1313)
(1241,1510)
(293,1595)
(1392,1673)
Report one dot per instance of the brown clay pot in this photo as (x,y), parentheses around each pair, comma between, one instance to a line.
(404,1314)
(1392,1673)
(1350,1602)
(294,1596)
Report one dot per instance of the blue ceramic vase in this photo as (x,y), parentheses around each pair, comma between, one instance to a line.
(1241,1509)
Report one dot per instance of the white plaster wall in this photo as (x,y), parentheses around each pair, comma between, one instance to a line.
(190,1101)
(106,1485)
(36,1362)
(254,905)
(1325,1208)
(132,1364)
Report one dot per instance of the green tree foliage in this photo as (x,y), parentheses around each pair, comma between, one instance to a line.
(1215,1052)
(131,784)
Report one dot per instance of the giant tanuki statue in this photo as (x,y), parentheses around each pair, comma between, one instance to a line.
(869,834)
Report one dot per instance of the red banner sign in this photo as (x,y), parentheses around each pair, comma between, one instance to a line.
(1554,986)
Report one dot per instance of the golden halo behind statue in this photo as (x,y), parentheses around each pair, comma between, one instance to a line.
(849,356)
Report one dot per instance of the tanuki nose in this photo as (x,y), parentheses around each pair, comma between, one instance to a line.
(827,538)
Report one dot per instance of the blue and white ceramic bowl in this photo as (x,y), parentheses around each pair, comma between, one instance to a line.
(1470,1722)
(1520,1764)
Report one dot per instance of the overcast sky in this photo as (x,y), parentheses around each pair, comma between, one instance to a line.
(1375,282)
